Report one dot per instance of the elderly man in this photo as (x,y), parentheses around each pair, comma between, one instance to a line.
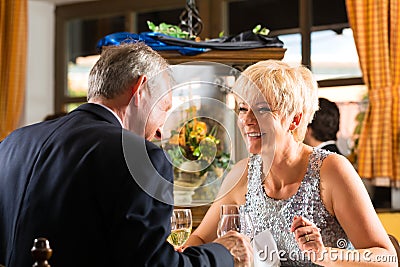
(101,194)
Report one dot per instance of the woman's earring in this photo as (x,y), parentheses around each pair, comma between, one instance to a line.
(293,128)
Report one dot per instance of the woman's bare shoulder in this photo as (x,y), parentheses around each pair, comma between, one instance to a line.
(238,171)
(337,176)
(336,166)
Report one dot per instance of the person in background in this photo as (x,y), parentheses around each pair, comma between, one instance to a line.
(323,129)
(55,115)
(91,182)
(312,201)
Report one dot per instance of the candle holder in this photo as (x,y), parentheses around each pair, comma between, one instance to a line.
(190,19)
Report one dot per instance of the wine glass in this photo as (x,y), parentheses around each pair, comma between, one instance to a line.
(234,218)
(228,222)
(181,227)
(229,209)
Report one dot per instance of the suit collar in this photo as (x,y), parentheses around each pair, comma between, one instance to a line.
(330,142)
(112,112)
(99,111)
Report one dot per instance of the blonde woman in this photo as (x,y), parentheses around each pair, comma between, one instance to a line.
(311,200)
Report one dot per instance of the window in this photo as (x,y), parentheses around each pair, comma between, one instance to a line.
(333,55)
(78,29)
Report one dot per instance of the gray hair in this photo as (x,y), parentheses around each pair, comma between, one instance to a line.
(120,66)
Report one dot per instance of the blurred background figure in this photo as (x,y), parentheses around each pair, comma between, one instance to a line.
(322,131)
(55,116)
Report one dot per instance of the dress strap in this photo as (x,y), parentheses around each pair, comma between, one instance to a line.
(254,173)
(317,157)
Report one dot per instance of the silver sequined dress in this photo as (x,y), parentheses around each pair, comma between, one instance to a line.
(277,215)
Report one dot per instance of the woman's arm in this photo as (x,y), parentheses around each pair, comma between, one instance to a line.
(232,191)
(344,195)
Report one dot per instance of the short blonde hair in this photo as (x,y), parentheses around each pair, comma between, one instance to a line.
(288,90)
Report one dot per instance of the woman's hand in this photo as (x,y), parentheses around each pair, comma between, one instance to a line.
(308,238)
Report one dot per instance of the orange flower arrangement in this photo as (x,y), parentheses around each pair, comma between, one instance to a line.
(192,141)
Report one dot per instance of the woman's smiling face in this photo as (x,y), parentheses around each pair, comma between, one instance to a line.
(256,125)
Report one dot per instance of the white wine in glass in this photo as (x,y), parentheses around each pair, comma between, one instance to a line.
(181,227)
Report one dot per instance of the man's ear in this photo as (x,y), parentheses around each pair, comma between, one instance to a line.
(138,89)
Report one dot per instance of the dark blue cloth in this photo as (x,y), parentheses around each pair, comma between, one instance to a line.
(162,42)
(149,38)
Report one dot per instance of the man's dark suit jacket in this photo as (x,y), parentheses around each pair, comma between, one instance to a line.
(67,180)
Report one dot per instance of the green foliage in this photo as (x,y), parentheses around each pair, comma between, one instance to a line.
(260,30)
(168,29)
(353,157)
(223,161)
(192,141)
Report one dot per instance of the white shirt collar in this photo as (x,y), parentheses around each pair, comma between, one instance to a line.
(330,142)
(115,114)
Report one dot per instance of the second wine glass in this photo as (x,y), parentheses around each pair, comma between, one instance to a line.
(234,218)
(228,222)
(181,227)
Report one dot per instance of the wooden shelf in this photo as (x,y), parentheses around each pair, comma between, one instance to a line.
(229,57)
